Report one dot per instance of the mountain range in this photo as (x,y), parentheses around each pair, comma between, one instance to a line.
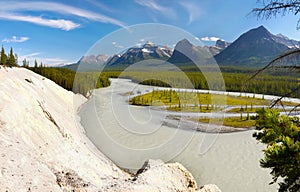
(254,48)
(136,54)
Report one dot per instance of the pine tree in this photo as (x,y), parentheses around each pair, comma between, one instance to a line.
(35,69)
(16,59)
(25,63)
(3,56)
(281,135)
(42,71)
(11,59)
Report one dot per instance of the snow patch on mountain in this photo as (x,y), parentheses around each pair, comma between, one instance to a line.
(146,50)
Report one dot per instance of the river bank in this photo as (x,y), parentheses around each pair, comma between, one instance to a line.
(134,133)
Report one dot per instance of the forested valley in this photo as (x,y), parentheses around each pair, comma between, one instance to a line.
(272,84)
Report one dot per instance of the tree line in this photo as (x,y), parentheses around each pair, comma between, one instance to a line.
(264,84)
(10,59)
(80,82)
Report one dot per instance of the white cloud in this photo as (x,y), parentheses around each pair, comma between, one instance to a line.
(59,23)
(100,5)
(8,11)
(210,38)
(193,10)
(48,61)
(150,4)
(54,61)
(119,46)
(115,44)
(16,39)
(31,55)
(138,44)
(154,6)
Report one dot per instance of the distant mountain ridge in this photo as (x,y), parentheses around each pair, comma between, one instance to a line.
(94,59)
(89,62)
(254,48)
(287,41)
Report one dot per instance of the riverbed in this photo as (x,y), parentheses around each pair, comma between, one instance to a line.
(129,135)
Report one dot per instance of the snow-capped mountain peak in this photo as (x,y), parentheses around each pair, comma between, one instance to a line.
(135,54)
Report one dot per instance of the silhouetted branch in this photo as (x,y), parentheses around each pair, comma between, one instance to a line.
(286,95)
(274,7)
(281,59)
(285,56)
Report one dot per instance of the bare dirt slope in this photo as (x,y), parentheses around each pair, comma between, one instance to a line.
(43,147)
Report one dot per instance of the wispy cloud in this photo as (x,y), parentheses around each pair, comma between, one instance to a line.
(138,44)
(115,44)
(59,23)
(48,61)
(8,11)
(30,55)
(15,39)
(54,61)
(100,5)
(210,38)
(193,10)
(154,6)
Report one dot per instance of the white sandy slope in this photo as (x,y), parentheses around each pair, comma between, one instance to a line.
(44,148)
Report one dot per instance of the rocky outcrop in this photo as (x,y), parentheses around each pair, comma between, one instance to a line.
(221,44)
(43,147)
(209,188)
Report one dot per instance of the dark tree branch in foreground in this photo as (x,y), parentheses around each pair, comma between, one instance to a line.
(273,8)
(280,133)
(288,60)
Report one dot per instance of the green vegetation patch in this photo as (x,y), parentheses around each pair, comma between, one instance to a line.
(238,122)
(242,109)
(194,102)
(196,109)
(280,135)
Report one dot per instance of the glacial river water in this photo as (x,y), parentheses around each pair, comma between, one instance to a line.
(129,135)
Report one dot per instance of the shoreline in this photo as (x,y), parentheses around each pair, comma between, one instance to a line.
(111,102)
(203,127)
(86,140)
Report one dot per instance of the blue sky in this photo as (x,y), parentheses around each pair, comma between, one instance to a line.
(56,32)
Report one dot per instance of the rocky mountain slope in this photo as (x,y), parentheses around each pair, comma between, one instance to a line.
(136,54)
(185,54)
(255,48)
(90,62)
(218,47)
(43,146)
